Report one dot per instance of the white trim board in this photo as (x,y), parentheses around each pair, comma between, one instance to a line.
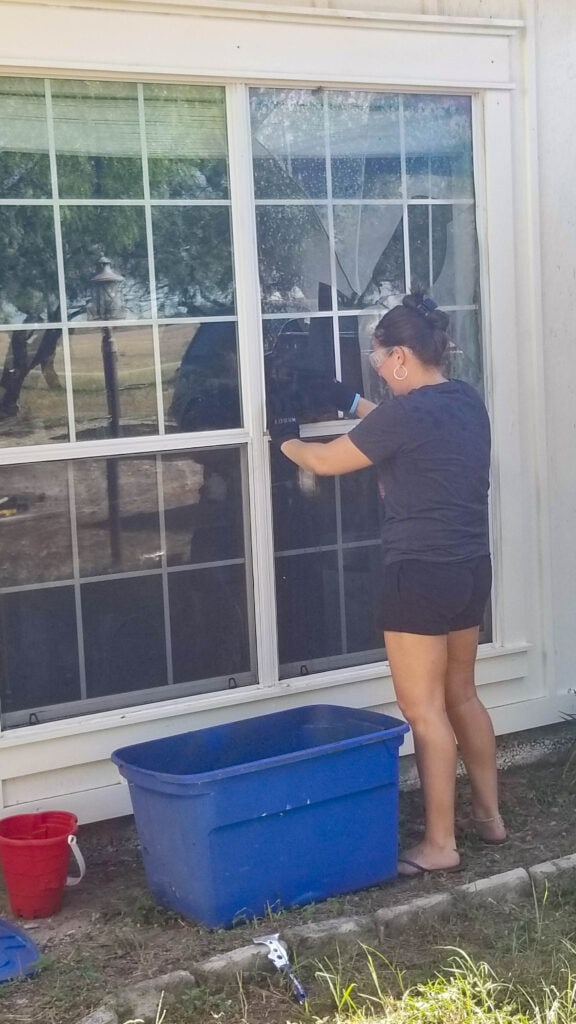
(323,15)
(233,48)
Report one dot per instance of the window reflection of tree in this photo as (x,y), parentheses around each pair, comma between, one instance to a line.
(27,351)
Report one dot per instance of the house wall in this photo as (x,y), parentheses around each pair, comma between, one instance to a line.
(525,74)
(555,35)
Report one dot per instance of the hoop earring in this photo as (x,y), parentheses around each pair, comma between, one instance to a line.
(396,374)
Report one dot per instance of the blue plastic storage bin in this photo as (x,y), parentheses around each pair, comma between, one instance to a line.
(271,812)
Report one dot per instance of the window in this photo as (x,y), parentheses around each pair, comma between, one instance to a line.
(124,579)
(127,562)
(137,174)
(359,195)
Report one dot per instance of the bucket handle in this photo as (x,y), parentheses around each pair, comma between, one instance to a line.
(79,861)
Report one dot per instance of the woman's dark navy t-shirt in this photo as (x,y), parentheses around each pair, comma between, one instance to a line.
(432,450)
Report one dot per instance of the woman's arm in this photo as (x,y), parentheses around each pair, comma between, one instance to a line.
(364,407)
(330,459)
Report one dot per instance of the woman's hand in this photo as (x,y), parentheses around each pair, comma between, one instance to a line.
(324,392)
(281,417)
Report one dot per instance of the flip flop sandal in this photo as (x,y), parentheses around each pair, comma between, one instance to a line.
(419,869)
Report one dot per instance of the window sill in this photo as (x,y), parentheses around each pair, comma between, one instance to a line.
(495,665)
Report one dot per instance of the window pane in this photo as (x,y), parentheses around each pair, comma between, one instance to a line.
(294,258)
(356,335)
(117,515)
(443,252)
(361,507)
(35,524)
(39,643)
(298,351)
(24,161)
(124,638)
(209,623)
(204,507)
(364,145)
(193,257)
(369,244)
(304,510)
(120,233)
(186,141)
(154,554)
(328,568)
(466,359)
(288,143)
(327,546)
(114,382)
(438,139)
(33,408)
(200,376)
(362,572)
(28,265)
(97,139)
(308,619)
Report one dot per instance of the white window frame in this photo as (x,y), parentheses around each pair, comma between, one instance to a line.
(238,46)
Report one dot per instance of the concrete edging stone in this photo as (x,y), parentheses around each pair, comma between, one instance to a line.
(541,872)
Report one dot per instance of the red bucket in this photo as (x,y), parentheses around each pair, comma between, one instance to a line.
(35,854)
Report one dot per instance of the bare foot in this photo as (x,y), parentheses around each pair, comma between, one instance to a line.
(419,860)
(491,830)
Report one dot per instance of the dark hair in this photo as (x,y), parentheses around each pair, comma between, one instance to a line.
(417,324)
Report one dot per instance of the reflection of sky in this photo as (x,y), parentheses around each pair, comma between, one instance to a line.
(298,129)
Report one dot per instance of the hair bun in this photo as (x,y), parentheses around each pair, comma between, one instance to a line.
(427,308)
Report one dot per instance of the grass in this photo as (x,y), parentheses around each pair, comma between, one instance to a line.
(430,983)
(479,964)
(464,991)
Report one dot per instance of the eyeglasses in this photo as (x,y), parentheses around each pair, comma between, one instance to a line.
(379,356)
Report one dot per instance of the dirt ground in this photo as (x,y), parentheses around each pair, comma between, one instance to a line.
(111,931)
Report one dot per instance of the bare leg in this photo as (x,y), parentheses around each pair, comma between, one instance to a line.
(419,665)
(474,733)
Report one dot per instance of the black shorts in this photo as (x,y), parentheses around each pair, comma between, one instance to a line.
(434,598)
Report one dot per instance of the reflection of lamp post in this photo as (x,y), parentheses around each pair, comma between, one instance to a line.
(107,305)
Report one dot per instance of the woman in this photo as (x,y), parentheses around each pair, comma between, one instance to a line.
(431,443)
